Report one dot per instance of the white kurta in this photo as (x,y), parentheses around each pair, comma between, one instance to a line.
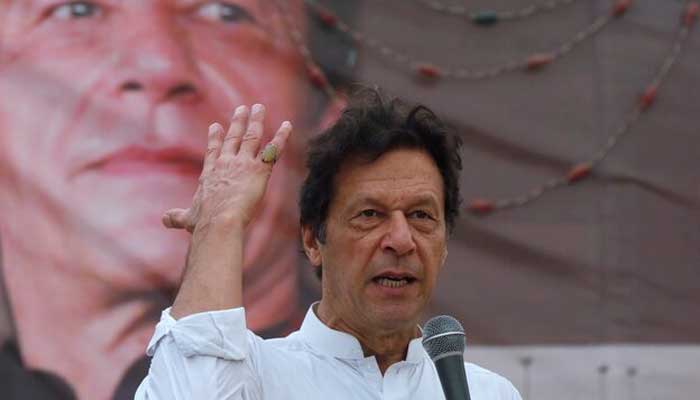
(212,355)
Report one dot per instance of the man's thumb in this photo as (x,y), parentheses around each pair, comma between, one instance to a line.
(176,218)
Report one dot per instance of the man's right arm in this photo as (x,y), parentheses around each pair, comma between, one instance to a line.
(213,273)
(201,347)
(208,355)
(233,182)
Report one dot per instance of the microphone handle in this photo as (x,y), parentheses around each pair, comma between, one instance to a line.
(453,378)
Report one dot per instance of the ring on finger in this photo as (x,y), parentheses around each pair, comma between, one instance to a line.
(270,153)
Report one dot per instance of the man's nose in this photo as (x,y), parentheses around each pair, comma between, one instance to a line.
(398,238)
(155,62)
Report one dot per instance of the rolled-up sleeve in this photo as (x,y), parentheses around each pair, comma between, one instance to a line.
(206,355)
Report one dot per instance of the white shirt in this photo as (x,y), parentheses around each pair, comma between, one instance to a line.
(212,355)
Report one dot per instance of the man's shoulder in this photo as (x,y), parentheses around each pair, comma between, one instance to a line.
(474,369)
(490,382)
(291,342)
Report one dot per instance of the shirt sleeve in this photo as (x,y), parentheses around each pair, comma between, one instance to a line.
(209,355)
(487,385)
(512,393)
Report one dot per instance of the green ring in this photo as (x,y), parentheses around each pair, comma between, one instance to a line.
(269,153)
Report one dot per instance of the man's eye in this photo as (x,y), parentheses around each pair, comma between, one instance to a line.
(369,213)
(75,9)
(420,214)
(224,12)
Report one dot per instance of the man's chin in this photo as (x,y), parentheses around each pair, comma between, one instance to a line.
(143,258)
(132,208)
(392,316)
(146,275)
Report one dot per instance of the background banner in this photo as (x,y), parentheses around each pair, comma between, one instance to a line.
(574,267)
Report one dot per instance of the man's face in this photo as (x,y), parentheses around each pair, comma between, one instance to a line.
(104,112)
(385,240)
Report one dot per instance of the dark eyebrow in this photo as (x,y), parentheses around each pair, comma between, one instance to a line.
(425,199)
(364,200)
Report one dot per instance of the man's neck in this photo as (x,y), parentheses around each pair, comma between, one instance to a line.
(72,326)
(388,347)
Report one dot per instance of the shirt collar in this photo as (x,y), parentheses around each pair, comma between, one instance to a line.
(343,345)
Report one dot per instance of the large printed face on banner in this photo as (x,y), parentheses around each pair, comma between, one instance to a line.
(103,119)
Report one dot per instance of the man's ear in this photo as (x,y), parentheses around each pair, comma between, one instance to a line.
(444,256)
(311,246)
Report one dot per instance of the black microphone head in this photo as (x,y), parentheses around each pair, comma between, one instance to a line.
(442,336)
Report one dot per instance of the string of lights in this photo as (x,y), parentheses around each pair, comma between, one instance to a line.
(433,70)
(490,17)
(584,169)
(313,70)
(578,172)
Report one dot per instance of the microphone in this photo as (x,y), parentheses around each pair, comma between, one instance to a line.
(444,341)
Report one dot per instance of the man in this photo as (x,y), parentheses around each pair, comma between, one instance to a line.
(377,206)
(102,114)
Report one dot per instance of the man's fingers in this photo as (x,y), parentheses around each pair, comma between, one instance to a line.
(233,138)
(251,140)
(273,150)
(177,218)
(216,134)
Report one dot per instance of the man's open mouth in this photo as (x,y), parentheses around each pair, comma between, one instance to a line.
(393,281)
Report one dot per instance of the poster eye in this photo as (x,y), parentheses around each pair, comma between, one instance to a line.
(75,10)
(225,12)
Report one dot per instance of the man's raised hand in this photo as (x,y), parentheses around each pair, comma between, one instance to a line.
(234,176)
